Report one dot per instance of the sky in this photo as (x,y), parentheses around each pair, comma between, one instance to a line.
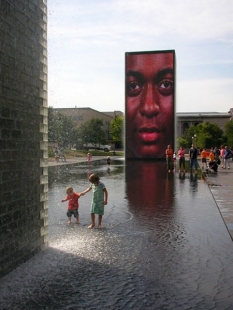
(87,41)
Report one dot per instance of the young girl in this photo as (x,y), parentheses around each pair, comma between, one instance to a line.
(181,154)
(73,205)
(99,199)
(89,157)
(169,158)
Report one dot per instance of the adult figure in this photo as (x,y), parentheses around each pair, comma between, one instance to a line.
(62,154)
(227,156)
(57,154)
(222,152)
(181,155)
(149,103)
(193,158)
(169,158)
(216,153)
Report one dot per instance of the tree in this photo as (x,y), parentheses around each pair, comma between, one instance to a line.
(229,133)
(182,142)
(61,128)
(116,130)
(203,135)
(208,135)
(91,131)
(190,134)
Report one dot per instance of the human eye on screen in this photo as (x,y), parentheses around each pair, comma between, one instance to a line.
(165,87)
(133,88)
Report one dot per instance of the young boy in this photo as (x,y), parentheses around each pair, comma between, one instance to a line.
(100,198)
(73,205)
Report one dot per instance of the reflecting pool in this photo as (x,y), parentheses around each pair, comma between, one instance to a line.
(164,245)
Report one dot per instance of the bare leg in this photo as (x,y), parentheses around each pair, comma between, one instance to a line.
(100,221)
(77,220)
(92,221)
(69,220)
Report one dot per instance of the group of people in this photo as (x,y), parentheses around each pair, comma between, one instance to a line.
(99,200)
(209,160)
(59,154)
(171,159)
(89,158)
(216,158)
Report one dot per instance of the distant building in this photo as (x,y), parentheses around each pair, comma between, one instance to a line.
(81,115)
(186,120)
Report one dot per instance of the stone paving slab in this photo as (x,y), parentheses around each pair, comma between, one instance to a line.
(221,187)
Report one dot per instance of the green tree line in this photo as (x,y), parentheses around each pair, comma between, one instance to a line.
(63,130)
(207,135)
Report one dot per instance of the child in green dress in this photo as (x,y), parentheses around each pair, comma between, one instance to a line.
(99,199)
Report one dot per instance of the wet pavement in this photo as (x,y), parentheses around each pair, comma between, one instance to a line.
(166,243)
(221,186)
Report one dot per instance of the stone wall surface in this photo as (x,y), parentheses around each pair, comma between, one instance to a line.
(23,131)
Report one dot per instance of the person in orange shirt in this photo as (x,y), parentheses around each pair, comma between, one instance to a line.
(203,158)
(169,158)
(211,156)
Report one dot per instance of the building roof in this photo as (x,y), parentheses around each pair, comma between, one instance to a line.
(202,114)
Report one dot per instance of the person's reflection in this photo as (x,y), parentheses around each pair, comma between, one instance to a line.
(149,189)
(108,170)
(193,181)
(181,176)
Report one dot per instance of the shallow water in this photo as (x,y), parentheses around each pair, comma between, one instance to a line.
(164,245)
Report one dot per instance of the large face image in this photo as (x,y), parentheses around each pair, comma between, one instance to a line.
(149,93)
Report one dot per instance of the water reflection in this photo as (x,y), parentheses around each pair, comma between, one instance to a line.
(69,174)
(148,185)
(149,191)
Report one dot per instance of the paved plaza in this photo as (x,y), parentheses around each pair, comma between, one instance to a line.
(166,243)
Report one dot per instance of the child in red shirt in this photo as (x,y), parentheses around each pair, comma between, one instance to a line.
(73,205)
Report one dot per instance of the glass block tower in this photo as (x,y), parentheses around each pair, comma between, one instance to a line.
(23,131)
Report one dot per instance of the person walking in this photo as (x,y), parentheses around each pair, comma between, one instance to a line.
(99,199)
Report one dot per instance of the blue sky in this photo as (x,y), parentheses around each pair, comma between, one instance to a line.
(87,41)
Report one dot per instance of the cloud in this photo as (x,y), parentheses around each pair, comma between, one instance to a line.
(197,20)
(205,95)
(87,41)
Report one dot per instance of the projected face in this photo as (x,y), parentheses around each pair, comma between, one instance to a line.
(149,104)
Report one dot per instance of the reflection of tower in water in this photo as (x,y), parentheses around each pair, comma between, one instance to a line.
(149,189)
